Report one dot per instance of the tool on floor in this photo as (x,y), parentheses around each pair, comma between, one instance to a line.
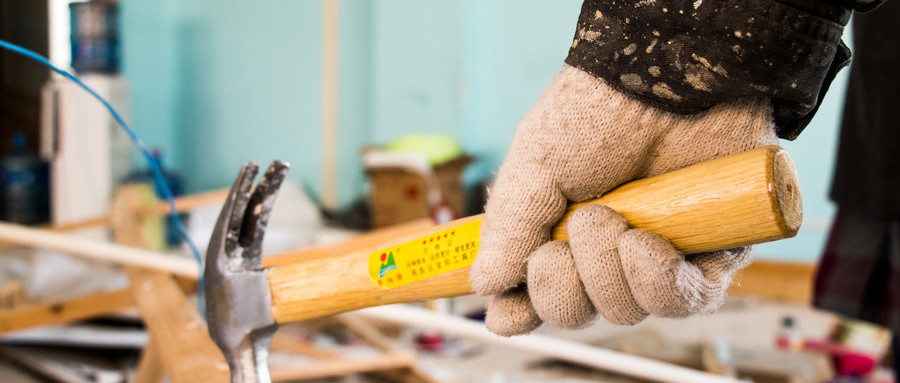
(739,200)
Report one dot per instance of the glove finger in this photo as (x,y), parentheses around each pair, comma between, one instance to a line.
(593,233)
(663,281)
(720,265)
(510,313)
(719,268)
(555,289)
(520,212)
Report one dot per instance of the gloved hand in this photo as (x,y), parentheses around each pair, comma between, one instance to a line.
(581,139)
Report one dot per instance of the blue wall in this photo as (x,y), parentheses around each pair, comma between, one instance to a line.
(217,83)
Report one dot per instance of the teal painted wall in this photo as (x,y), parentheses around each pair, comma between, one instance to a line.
(514,48)
(150,33)
(355,89)
(217,83)
(419,79)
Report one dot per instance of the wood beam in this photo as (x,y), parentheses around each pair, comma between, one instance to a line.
(777,281)
(346,366)
(149,369)
(60,312)
(186,351)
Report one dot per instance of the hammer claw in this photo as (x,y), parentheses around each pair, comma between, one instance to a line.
(234,275)
(257,211)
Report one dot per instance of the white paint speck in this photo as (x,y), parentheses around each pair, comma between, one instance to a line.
(697,4)
(652,44)
(663,90)
(592,35)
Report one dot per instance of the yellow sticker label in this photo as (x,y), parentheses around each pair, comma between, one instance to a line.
(425,257)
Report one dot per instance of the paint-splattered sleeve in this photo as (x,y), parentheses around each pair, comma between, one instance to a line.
(687,55)
(861,5)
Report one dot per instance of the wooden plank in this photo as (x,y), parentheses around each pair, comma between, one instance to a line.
(186,203)
(67,227)
(149,369)
(186,352)
(60,312)
(99,250)
(102,220)
(778,281)
(182,204)
(391,361)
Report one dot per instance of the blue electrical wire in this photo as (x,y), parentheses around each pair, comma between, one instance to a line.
(154,165)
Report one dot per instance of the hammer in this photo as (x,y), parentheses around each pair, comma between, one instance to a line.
(744,199)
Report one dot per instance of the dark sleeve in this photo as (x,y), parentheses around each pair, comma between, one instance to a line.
(686,55)
(860,5)
(867,174)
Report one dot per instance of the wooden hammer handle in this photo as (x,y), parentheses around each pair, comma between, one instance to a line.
(748,198)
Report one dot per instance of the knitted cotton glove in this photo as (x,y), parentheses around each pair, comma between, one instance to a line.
(580,140)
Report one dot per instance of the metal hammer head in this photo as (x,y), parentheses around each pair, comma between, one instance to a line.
(238,302)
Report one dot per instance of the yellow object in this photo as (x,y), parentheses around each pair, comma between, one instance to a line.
(425,257)
(436,148)
(148,231)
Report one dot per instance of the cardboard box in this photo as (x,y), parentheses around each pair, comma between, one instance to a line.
(401,194)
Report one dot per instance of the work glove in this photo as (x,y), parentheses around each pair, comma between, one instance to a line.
(581,139)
